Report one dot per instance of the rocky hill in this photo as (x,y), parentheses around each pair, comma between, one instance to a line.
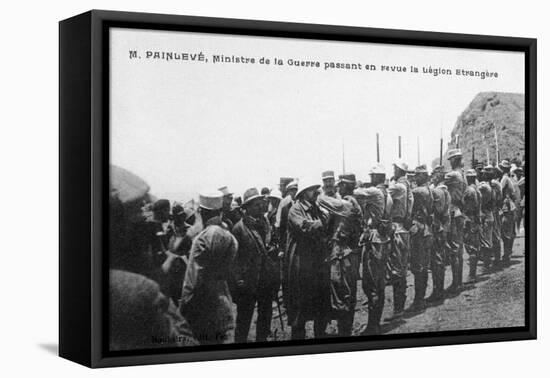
(476,128)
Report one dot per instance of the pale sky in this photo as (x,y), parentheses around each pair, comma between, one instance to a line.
(186,127)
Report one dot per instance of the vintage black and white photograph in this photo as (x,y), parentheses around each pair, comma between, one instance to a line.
(269,189)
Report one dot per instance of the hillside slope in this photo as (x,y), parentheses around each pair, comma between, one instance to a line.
(476,128)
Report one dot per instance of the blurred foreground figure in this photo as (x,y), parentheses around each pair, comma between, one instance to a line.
(141,317)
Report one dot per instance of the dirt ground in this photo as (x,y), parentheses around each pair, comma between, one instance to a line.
(496,300)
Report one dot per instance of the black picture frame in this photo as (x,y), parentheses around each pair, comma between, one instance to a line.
(83,180)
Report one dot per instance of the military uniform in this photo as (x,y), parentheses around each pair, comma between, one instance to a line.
(497,226)
(205,300)
(376,247)
(307,274)
(487,222)
(422,239)
(509,208)
(399,257)
(344,230)
(441,228)
(472,226)
(456,184)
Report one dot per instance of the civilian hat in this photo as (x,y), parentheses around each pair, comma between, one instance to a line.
(250,195)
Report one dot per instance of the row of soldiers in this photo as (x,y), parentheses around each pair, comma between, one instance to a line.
(315,242)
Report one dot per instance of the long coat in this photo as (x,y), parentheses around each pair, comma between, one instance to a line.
(308,296)
(205,300)
(253,264)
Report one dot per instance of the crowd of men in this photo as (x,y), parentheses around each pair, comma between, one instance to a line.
(195,273)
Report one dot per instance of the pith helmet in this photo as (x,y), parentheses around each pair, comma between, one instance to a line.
(275,193)
(421,169)
(401,165)
(505,164)
(378,169)
(471,173)
(292,185)
(225,191)
(307,187)
(453,153)
(211,200)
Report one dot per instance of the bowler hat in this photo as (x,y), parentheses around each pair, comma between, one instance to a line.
(250,195)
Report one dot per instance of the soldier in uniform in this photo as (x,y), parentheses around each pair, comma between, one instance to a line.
(308,295)
(472,226)
(497,215)
(344,229)
(256,269)
(376,245)
(509,208)
(205,299)
(456,184)
(421,236)
(401,211)
(441,226)
(520,178)
(329,184)
(487,216)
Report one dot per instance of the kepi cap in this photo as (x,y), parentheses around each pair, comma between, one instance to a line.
(327,175)
(211,200)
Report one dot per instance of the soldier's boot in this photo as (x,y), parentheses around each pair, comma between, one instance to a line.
(399,298)
(420,284)
(345,323)
(438,278)
(456,284)
(472,274)
(508,244)
(496,254)
(486,258)
(373,323)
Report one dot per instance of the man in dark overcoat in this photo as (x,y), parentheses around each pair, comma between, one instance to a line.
(256,269)
(308,272)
